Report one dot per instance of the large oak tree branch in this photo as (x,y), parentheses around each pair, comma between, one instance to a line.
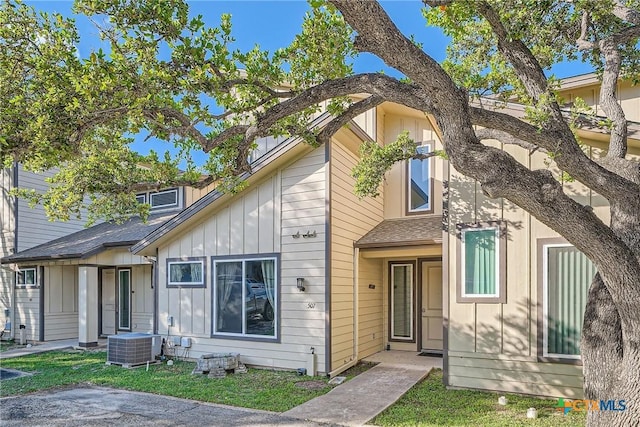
(499,174)
(358,108)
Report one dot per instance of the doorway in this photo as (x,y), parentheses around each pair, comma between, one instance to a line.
(430,277)
(108,302)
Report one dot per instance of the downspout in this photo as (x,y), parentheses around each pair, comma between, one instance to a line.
(154,285)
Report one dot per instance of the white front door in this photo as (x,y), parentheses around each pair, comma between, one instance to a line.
(431,305)
(108,302)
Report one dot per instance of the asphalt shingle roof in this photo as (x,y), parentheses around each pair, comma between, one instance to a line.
(403,231)
(90,241)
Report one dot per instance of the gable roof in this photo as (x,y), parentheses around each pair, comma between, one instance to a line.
(410,231)
(259,165)
(91,241)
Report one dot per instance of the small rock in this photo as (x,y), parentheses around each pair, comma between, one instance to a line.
(337,380)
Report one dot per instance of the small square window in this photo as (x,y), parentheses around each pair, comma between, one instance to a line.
(186,272)
(141,198)
(481,263)
(27,276)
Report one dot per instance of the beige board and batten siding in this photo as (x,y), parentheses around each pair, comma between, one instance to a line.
(60,302)
(395,184)
(27,312)
(351,218)
(141,299)
(494,346)
(262,219)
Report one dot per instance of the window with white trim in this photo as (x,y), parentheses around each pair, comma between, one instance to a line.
(481,262)
(419,183)
(27,277)
(141,198)
(186,272)
(164,199)
(567,275)
(245,295)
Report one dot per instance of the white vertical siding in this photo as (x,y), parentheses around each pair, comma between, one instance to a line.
(7,239)
(33,228)
(27,309)
(141,299)
(61,302)
(260,220)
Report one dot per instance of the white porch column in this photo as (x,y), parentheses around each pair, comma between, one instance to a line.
(87,306)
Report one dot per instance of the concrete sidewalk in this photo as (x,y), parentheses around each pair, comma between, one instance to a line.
(39,348)
(359,400)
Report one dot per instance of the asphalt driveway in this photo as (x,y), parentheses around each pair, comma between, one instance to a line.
(100,406)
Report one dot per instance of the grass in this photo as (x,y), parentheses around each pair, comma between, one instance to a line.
(8,345)
(430,404)
(259,389)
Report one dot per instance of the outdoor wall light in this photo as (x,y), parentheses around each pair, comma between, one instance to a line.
(300,284)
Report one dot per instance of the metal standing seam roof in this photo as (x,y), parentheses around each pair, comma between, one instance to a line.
(403,232)
(90,241)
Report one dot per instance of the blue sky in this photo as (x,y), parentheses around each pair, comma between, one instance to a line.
(273,24)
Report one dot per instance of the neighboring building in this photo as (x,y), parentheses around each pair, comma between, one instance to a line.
(24,227)
(86,283)
(296,267)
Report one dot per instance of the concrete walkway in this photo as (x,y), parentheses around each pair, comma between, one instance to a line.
(359,400)
(39,348)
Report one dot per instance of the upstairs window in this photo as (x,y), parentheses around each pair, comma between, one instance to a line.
(26,276)
(164,199)
(420,187)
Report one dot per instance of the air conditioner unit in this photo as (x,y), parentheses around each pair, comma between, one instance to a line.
(132,349)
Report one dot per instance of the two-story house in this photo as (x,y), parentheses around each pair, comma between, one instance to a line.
(296,268)
(22,228)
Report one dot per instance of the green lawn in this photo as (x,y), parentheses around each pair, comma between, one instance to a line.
(431,404)
(259,388)
(8,345)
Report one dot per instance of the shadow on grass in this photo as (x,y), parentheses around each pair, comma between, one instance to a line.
(258,389)
(429,403)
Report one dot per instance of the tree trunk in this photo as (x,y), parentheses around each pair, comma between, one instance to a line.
(611,362)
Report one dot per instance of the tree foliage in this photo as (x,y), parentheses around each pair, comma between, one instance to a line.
(166,74)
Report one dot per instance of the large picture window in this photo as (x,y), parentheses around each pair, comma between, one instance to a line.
(419,185)
(567,275)
(481,260)
(186,272)
(27,276)
(245,297)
